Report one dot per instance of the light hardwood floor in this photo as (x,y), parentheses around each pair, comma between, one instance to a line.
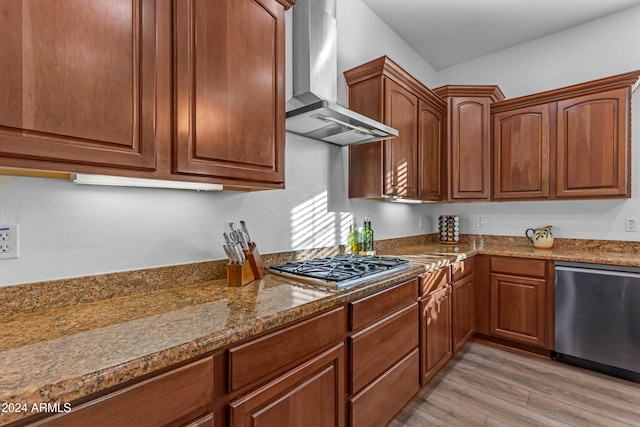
(485,386)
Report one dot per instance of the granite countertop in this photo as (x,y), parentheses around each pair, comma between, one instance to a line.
(60,354)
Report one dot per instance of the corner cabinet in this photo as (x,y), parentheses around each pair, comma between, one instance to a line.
(468,147)
(187,90)
(411,165)
(573,142)
(515,301)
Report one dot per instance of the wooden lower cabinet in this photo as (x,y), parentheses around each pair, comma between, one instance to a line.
(384,354)
(464,314)
(515,302)
(171,399)
(518,308)
(312,394)
(378,403)
(435,331)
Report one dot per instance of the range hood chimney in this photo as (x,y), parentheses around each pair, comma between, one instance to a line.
(313,111)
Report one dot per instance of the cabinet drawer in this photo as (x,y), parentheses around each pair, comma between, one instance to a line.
(266,357)
(311,394)
(462,269)
(434,280)
(518,266)
(379,346)
(371,308)
(160,401)
(377,404)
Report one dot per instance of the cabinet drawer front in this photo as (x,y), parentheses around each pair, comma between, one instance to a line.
(372,308)
(519,266)
(159,401)
(266,357)
(311,394)
(434,280)
(462,269)
(377,404)
(378,347)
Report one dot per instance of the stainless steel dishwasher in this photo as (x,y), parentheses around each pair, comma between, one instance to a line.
(597,317)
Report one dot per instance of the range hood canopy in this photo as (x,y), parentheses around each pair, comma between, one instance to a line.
(313,111)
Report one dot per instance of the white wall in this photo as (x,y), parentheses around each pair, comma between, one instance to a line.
(68,231)
(590,51)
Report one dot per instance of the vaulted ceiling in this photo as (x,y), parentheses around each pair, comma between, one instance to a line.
(448,32)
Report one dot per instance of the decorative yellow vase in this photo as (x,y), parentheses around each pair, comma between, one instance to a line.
(540,237)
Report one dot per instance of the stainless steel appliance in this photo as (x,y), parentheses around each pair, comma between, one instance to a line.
(313,111)
(597,317)
(340,271)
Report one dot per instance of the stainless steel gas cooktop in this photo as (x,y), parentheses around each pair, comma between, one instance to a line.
(340,271)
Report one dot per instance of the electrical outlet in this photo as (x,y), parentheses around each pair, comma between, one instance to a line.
(421,222)
(631,225)
(479,222)
(8,241)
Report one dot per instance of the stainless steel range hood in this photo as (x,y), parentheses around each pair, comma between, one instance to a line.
(313,112)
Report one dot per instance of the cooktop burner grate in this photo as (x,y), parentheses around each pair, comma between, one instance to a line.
(340,271)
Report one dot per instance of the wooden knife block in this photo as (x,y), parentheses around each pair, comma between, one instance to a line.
(239,274)
(253,256)
(248,271)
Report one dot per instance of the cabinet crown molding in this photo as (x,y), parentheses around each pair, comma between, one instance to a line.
(629,79)
(469,91)
(384,66)
(286,3)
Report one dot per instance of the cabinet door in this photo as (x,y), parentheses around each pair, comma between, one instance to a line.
(430,153)
(229,93)
(518,308)
(435,331)
(78,83)
(470,151)
(464,315)
(312,394)
(400,165)
(593,145)
(521,153)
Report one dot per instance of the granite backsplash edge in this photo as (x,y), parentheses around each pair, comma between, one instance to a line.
(32,297)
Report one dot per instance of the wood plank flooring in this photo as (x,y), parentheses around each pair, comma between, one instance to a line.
(486,386)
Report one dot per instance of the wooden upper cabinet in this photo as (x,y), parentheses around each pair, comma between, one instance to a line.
(430,152)
(572,142)
(230,89)
(521,153)
(469,140)
(405,166)
(401,113)
(593,145)
(78,83)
